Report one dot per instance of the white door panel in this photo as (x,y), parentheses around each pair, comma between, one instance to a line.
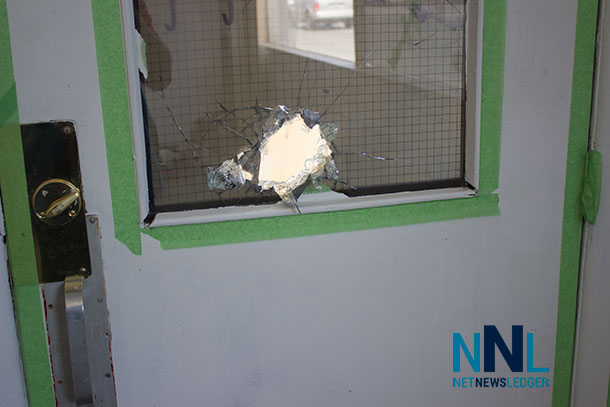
(349,319)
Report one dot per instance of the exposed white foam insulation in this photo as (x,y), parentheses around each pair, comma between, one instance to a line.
(290,156)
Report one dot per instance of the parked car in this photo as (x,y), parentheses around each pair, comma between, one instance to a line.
(318,13)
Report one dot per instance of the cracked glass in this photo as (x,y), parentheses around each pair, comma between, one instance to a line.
(387,76)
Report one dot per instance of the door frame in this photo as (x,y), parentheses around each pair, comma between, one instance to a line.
(591,384)
(28,305)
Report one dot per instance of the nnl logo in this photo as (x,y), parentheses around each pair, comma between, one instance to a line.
(492,338)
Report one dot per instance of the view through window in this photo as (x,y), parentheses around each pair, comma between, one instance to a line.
(389,73)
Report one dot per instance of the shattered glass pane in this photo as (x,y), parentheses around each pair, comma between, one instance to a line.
(250,101)
(291,153)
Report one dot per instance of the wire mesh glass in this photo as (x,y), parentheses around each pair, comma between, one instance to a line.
(390,73)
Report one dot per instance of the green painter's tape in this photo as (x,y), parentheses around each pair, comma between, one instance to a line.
(580,111)
(8,104)
(19,240)
(109,43)
(492,93)
(34,348)
(175,237)
(593,186)
(108,30)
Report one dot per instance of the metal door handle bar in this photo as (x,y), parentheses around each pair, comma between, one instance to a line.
(77,338)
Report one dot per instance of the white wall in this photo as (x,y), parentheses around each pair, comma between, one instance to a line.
(352,319)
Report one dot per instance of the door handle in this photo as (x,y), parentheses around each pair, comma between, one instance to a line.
(77,338)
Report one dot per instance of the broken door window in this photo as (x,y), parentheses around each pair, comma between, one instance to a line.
(383,81)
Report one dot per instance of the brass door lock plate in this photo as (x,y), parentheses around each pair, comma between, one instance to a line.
(57,207)
(57,202)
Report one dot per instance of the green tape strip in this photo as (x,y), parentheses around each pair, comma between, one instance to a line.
(492,93)
(176,237)
(34,348)
(8,105)
(580,112)
(20,243)
(593,186)
(108,30)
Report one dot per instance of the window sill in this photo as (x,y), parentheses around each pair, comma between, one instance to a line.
(309,203)
(182,230)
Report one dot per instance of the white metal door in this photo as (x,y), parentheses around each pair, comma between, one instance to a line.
(346,319)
